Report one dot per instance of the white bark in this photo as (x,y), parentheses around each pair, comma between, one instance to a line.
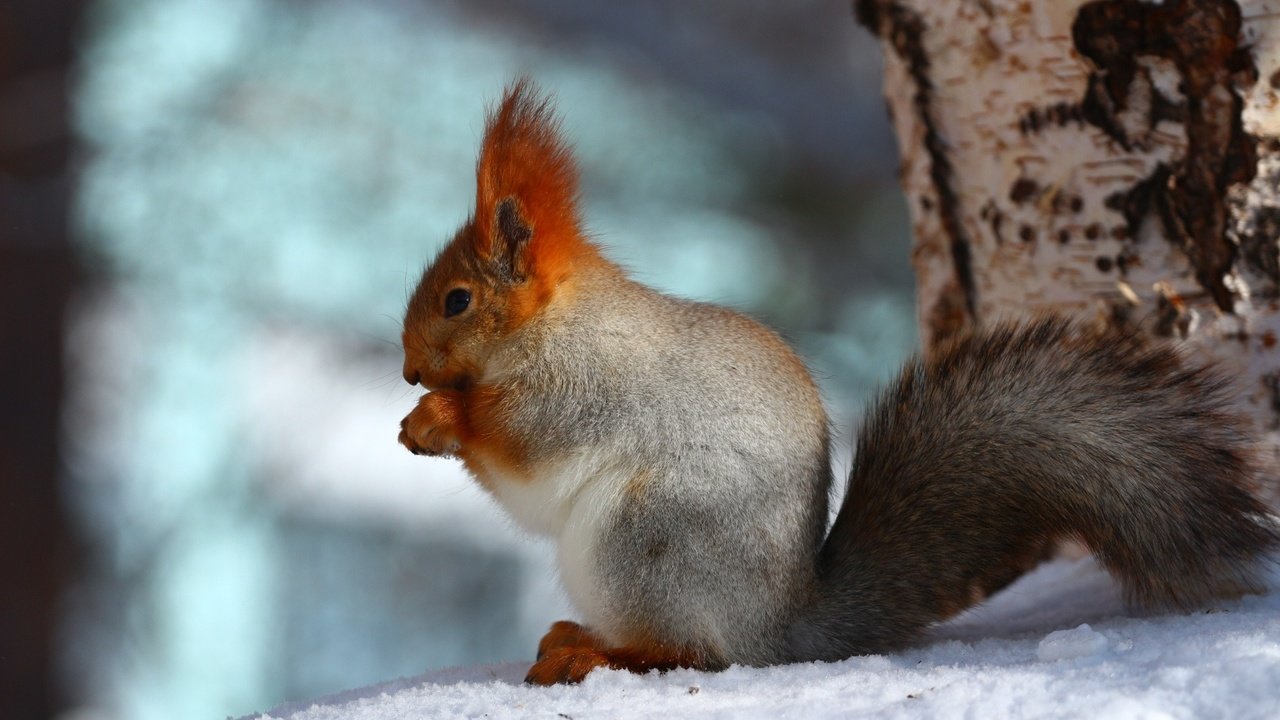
(1115,159)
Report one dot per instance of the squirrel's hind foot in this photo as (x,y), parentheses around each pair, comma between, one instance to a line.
(569,652)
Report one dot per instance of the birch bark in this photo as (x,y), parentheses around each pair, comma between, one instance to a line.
(1114,159)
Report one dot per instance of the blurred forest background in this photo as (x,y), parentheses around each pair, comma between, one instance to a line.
(211,215)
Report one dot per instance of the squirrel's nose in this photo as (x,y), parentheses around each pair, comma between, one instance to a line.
(411,375)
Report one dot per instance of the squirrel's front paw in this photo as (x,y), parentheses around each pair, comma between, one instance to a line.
(432,427)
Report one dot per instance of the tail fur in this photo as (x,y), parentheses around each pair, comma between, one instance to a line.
(974,462)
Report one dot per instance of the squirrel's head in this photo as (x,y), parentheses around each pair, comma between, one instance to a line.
(511,259)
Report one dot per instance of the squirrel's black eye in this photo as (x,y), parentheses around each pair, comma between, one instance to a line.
(456,301)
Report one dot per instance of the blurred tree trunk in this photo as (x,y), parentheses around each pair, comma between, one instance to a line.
(36,273)
(1115,159)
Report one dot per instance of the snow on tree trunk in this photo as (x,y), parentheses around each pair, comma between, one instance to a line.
(1114,159)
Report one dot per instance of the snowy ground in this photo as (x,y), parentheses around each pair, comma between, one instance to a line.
(1058,643)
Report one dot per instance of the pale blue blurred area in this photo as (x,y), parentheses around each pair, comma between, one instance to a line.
(263,183)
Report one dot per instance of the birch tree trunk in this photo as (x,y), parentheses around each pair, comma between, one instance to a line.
(1114,159)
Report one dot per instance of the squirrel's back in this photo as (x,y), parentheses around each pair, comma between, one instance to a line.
(975,461)
(668,369)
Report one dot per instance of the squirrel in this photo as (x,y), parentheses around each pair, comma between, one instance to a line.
(678,452)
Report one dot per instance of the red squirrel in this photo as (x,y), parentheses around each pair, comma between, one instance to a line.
(678,452)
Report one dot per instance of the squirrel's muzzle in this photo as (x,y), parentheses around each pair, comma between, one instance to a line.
(411,375)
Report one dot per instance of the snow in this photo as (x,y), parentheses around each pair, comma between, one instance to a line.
(1028,652)
(1075,643)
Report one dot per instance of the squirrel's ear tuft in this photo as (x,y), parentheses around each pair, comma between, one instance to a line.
(526,181)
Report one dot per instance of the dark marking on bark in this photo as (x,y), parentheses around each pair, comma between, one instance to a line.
(1064,236)
(1136,204)
(903,30)
(1243,70)
(1056,115)
(1258,234)
(1275,80)
(995,218)
(1104,264)
(1255,224)
(1201,39)
(1163,108)
(1026,191)
(1026,233)
(1023,190)
(1093,232)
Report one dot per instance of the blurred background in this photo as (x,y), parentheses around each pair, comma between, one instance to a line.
(211,215)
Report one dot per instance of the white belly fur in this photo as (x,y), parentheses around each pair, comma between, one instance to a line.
(573,502)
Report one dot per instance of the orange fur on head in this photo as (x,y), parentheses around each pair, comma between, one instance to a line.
(515,257)
(524,159)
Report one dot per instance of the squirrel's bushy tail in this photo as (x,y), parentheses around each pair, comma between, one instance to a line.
(974,462)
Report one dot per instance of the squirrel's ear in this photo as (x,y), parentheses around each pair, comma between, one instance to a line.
(526,183)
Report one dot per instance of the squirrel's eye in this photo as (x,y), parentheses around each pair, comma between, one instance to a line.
(456,301)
